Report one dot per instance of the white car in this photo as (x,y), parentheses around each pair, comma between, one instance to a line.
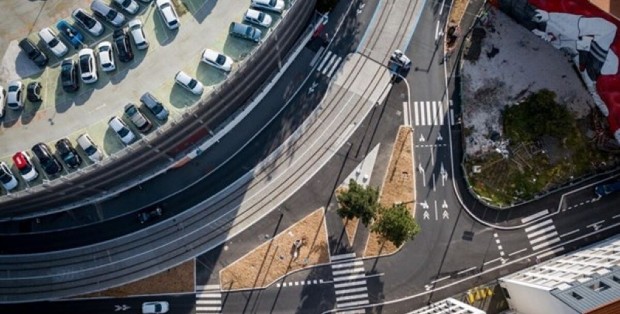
(122,130)
(135,28)
(88,22)
(106,13)
(88,66)
(257,17)
(106,56)
(15,97)
(168,14)
(217,60)
(52,41)
(130,6)
(156,307)
(271,5)
(7,178)
(189,83)
(89,147)
(2,100)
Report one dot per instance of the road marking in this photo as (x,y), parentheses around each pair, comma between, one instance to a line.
(441,116)
(569,233)
(415,110)
(534,216)
(544,237)
(492,261)
(435,113)
(348,271)
(350,284)
(466,270)
(350,277)
(616,216)
(548,243)
(317,56)
(348,264)
(342,256)
(422,113)
(209,302)
(440,279)
(596,225)
(329,64)
(406,114)
(353,290)
(350,304)
(334,67)
(327,55)
(517,252)
(539,232)
(451,116)
(536,226)
(555,251)
(352,297)
(428,112)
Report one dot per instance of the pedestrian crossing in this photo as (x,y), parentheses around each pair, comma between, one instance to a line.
(328,63)
(349,283)
(208,299)
(427,113)
(542,235)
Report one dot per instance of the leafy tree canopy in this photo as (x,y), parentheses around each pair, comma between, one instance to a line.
(358,202)
(396,224)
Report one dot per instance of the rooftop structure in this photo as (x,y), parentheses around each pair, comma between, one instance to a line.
(448,306)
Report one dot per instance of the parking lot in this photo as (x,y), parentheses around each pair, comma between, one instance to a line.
(203,24)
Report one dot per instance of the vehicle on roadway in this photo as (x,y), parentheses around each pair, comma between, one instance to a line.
(148,215)
(606,189)
(123,46)
(2,101)
(87,22)
(53,43)
(33,92)
(137,118)
(106,56)
(8,180)
(68,75)
(189,83)
(217,60)
(24,165)
(89,147)
(271,5)
(257,17)
(15,97)
(135,29)
(122,130)
(244,31)
(156,307)
(107,13)
(129,6)
(48,161)
(33,52)
(88,66)
(155,106)
(168,14)
(67,153)
(71,33)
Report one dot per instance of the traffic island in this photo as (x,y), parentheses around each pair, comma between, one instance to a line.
(297,247)
(398,187)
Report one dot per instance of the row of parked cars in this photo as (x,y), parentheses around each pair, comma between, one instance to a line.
(255,17)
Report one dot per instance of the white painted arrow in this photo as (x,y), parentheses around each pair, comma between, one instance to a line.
(422,139)
(420,168)
(439,137)
(444,175)
(444,205)
(426,215)
(424,205)
(445,215)
(311,89)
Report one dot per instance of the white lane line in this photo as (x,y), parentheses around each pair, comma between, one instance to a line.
(440,108)
(348,264)
(440,279)
(544,237)
(352,297)
(534,216)
(329,53)
(428,112)
(317,56)
(435,113)
(342,256)
(539,232)
(406,114)
(329,64)
(348,271)
(331,73)
(548,243)
(538,225)
(466,270)
(517,252)
(353,290)
(349,284)
(557,250)
(569,233)
(492,261)
(422,113)
(350,304)
(616,216)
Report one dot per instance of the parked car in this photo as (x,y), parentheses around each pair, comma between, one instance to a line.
(106,56)
(135,29)
(2,100)
(257,17)
(33,92)
(244,31)
(8,180)
(47,160)
(217,60)
(271,5)
(155,106)
(89,147)
(122,130)
(54,44)
(189,83)
(139,120)
(33,52)
(152,307)
(106,13)
(87,22)
(123,47)
(14,97)
(71,33)
(129,6)
(67,153)
(168,14)
(24,165)
(68,75)
(88,66)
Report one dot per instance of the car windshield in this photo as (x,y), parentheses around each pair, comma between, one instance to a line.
(66,72)
(90,150)
(111,15)
(157,108)
(26,169)
(84,63)
(68,157)
(272,3)
(126,3)
(104,49)
(192,83)
(220,59)
(53,42)
(131,110)
(87,20)
(13,88)
(123,132)
(5,177)
(261,16)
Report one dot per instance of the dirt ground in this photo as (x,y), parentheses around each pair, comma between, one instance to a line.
(398,186)
(350,228)
(273,259)
(458,10)
(174,280)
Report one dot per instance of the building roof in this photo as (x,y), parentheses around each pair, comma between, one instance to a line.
(448,306)
(594,293)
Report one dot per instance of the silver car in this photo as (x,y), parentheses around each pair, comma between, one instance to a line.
(189,83)
(135,29)
(106,13)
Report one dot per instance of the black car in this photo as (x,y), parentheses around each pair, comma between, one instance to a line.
(149,214)
(123,46)
(48,162)
(67,153)
(68,75)
(33,92)
(33,53)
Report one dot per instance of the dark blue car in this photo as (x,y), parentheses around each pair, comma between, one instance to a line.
(71,33)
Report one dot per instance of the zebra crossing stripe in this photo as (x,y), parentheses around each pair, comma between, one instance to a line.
(208,309)
(422,114)
(352,297)
(544,244)
(329,64)
(440,109)
(329,53)
(350,284)
(544,237)
(354,290)
(351,277)
(360,311)
(538,225)
(435,113)
(428,112)
(415,110)
(543,255)
(334,67)
(541,231)
(350,304)
(342,256)
(209,302)
(209,295)
(348,271)
(348,264)
(316,56)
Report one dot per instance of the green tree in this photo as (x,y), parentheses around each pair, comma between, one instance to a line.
(396,224)
(358,202)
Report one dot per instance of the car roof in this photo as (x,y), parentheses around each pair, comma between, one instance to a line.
(19,160)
